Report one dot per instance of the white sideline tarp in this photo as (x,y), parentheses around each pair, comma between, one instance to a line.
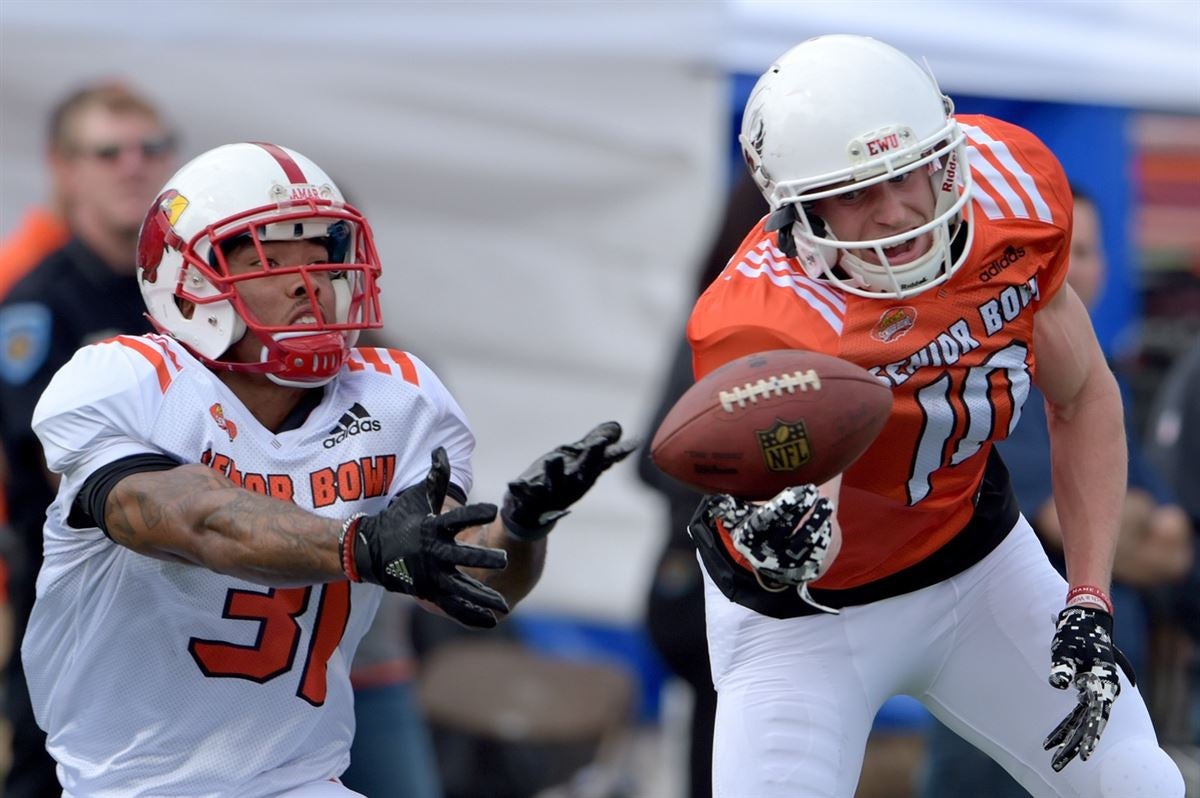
(1135,53)
(540,189)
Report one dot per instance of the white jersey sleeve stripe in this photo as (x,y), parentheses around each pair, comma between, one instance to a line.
(825,291)
(832,317)
(1023,178)
(986,201)
(777,263)
(991,175)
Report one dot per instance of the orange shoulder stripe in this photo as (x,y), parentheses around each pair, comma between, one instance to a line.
(371,358)
(399,361)
(150,353)
(407,370)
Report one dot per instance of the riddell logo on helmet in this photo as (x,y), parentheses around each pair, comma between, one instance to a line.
(951,174)
(894,323)
(354,421)
(1011,255)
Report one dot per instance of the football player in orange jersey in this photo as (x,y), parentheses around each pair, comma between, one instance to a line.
(931,250)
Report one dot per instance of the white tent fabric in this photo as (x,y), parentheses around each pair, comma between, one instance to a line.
(1136,53)
(543,177)
(541,181)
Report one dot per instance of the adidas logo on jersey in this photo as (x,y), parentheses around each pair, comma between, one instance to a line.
(352,422)
(1011,255)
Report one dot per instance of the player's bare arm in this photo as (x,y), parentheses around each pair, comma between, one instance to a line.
(526,559)
(538,499)
(195,515)
(1088,454)
(1088,470)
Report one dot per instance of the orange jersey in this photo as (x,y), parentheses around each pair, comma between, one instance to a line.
(958,357)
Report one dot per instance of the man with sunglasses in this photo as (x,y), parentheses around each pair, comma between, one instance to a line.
(109,151)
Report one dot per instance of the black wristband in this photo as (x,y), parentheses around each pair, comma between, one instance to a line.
(522,532)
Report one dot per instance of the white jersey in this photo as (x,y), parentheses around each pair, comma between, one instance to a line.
(154,678)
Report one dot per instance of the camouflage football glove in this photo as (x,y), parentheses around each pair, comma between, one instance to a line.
(410,548)
(1082,654)
(785,539)
(540,496)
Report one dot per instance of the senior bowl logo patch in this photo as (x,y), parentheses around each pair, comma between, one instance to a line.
(894,323)
(218,414)
(785,445)
(25,330)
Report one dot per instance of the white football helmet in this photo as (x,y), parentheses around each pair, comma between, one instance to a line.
(840,113)
(258,192)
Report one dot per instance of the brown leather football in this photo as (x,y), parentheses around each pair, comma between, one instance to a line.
(771,420)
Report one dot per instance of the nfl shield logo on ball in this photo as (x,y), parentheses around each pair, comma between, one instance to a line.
(785,445)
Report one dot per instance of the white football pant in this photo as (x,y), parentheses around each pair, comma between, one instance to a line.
(797,697)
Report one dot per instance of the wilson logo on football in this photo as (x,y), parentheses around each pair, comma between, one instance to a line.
(218,414)
(785,446)
(894,323)
(353,421)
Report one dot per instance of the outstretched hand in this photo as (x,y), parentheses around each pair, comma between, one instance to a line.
(410,548)
(786,540)
(538,498)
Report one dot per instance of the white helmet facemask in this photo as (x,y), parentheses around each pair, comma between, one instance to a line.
(806,237)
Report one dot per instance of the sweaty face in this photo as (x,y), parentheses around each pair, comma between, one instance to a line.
(1086,273)
(885,209)
(115,164)
(280,300)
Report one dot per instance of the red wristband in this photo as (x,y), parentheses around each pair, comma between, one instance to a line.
(347,545)
(1089,594)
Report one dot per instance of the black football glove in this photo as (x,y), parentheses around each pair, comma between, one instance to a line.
(540,496)
(785,539)
(410,548)
(1082,654)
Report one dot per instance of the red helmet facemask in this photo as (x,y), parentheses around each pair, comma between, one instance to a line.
(254,195)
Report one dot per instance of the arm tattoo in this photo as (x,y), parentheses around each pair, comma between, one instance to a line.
(194,514)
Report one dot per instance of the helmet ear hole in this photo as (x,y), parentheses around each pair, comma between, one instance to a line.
(186,308)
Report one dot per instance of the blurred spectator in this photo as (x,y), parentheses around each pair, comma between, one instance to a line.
(1173,444)
(40,232)
(111,150)
(675,605)
(1155,548)
(42,229)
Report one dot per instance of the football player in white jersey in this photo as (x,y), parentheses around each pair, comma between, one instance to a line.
(236,489)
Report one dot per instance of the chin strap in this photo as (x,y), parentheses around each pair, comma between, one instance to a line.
(308,360)
(781,221)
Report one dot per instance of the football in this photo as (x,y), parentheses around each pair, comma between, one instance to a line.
(771,420)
